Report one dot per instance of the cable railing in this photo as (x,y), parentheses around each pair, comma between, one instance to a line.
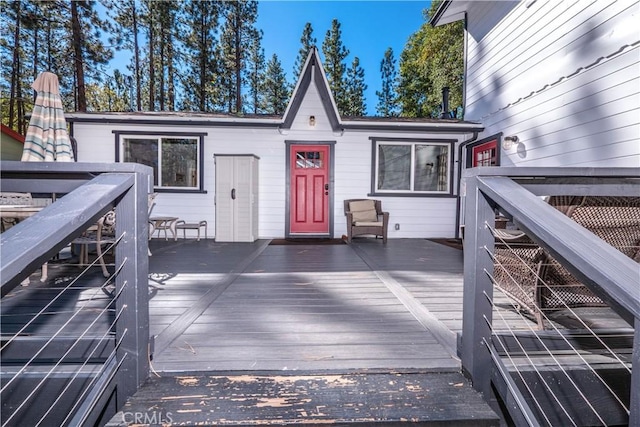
(552,311)
(75,345)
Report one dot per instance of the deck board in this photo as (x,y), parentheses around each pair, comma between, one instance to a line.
(304,399)
(302,307)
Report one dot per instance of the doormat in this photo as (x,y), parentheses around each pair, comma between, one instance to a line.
(306,241)
(452,243)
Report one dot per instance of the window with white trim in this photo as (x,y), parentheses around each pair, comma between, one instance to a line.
(412,167)
(176,160)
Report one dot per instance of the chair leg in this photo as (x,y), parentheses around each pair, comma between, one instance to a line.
(105,272)
(45,272)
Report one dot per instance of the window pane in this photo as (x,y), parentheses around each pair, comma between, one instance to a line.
(179,162)
(309,159)
(143,151)
(430,165)
(394,167)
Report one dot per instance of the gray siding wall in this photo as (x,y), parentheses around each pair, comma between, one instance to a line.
(564,76)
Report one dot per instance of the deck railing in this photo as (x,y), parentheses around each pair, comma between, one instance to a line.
(53,375)
(487,353)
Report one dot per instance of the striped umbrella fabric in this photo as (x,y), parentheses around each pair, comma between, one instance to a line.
(47,138)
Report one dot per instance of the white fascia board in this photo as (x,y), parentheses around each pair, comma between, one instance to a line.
(363,124)
(177,119)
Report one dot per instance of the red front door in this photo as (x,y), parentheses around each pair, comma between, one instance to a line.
(309,189)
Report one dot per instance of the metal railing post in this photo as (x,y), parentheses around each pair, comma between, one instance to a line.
(478,289)
(132,327)
(634,416)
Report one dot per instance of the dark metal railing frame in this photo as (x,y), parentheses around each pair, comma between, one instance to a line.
(607,272)
(90,190)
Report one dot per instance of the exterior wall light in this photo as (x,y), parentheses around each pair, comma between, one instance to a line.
(312,121)
(508,142)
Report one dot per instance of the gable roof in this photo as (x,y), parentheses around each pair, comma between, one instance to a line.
(312,72)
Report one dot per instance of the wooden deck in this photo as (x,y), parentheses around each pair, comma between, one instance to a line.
(277,316)
(314,308)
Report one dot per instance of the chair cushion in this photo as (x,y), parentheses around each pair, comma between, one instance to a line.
(363,210)
(368,223)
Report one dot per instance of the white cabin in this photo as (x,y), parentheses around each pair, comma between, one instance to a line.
(308,162)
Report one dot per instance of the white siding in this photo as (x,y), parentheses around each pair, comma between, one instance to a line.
(418,217)
(311,106)
(562,76)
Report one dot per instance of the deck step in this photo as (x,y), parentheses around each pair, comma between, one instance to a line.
(206,399)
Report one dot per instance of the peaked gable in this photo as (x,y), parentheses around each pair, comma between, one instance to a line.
(312,72)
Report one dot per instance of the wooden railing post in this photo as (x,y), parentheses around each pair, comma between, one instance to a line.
(132,328)
(478,289)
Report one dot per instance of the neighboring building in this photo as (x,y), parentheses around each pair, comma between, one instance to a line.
(309,161)
(562,76)
(11,144)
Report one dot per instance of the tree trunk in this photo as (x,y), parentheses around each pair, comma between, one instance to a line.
(136,53)
(203,63)
(238,58)
(78,61)
(15,69)
(152,76)
(161,66)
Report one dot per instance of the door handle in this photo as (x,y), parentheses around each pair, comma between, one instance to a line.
(326,187)
(233,193)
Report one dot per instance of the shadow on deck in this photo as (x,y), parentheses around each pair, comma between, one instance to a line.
(253,333)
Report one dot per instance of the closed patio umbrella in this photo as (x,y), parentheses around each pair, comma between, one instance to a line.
(47,138)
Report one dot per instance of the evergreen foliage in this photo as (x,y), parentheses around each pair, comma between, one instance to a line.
(307,42)
(201,56)
(239,31)
(126,18)
(355,100)
(276,89)
(256,74)
(388,97)
(199,28)
(334,55)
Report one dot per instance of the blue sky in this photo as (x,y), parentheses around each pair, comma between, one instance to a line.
(368,29)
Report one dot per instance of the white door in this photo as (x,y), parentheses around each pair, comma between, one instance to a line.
(236,198)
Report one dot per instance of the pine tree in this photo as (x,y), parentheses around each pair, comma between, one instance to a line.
(388,97)
(275,87)
(356,106)
(199,29)
(167,12)
(239,30)
(335,54)
(89,52)
(308,41)
(13,107)
(255,74)
(126,16)
(227,69)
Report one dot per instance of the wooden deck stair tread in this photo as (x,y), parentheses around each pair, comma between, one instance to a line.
(308,399)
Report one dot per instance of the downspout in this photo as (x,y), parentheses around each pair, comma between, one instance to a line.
(463,144)
(461,147)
